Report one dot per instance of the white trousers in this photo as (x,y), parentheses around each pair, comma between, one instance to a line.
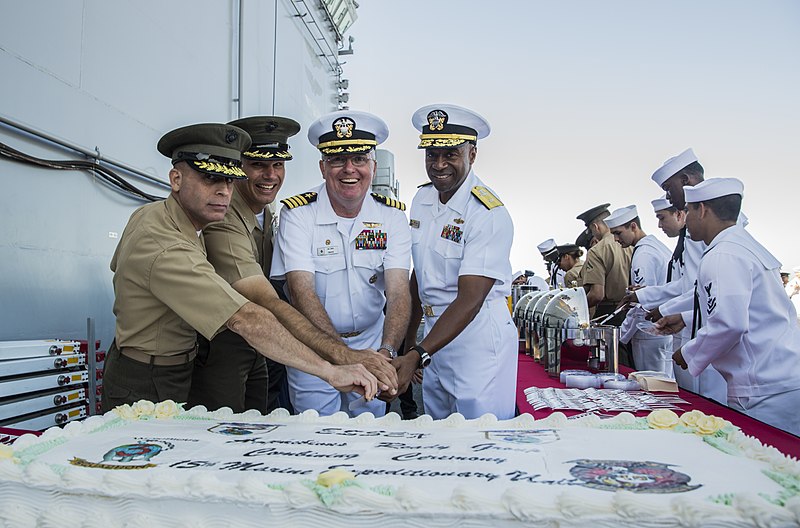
(476,373)
(310,392)
(778,410)
(709,383)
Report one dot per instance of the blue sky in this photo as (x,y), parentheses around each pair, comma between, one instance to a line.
(587,98)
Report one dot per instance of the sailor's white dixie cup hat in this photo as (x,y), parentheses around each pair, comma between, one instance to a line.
(713,188)
(347,132)
(621,216)
(659,204)
(673,165)
(548,248)
(448,126)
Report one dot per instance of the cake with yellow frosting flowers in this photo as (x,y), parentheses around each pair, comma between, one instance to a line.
(152,465)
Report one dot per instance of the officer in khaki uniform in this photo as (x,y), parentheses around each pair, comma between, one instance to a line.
(228,372)
(166,291)
(604,275)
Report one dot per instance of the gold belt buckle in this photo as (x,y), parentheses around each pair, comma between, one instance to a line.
(428,310)
(350,334)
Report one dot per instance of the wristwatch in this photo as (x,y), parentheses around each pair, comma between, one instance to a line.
(424,357)
(390,349)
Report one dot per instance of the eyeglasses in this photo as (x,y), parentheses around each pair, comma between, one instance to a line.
(359,160)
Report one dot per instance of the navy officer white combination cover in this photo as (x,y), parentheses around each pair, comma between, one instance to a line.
(347,132)
(471,234)
(448,126)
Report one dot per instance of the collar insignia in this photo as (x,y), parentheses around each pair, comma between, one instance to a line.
(344,127)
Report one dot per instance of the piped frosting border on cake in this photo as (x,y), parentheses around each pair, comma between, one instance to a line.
(18,464)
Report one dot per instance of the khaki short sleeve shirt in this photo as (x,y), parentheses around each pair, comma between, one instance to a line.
(608,264)
(165,289)
(573,275)
(231,244)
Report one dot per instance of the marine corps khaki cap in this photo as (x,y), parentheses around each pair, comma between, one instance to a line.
(270,135)
(210,148)
(587,217)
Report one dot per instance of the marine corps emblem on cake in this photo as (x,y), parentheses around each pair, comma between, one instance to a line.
(437,119)
(638,477)
(127,456)
(344,127)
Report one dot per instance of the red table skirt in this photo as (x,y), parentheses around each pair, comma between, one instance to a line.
(532,374)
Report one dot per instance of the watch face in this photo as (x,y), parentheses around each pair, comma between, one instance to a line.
(424,360)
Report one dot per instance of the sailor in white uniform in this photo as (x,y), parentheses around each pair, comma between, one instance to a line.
(461,240)
(345,255)
(549,251)
(648,268)
(745,326)
(675,297)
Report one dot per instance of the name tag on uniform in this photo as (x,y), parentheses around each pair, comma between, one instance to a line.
(414,223)
(451,232)
(371,239)
(325,251)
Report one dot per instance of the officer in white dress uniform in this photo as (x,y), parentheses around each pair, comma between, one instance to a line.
(549,251)
(648,268)
(461,240)
(744,323)
(345,255)
(675,297)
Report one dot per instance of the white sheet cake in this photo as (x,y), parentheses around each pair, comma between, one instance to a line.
(153,466)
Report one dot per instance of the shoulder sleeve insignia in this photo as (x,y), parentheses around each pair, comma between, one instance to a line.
(424,184)
(391,202)
(299,200)
(485,196)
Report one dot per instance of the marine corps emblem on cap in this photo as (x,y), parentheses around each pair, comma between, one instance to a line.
(344,127)
(437,119)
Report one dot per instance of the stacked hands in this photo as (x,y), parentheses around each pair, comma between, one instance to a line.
(376,375)
(664,324)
